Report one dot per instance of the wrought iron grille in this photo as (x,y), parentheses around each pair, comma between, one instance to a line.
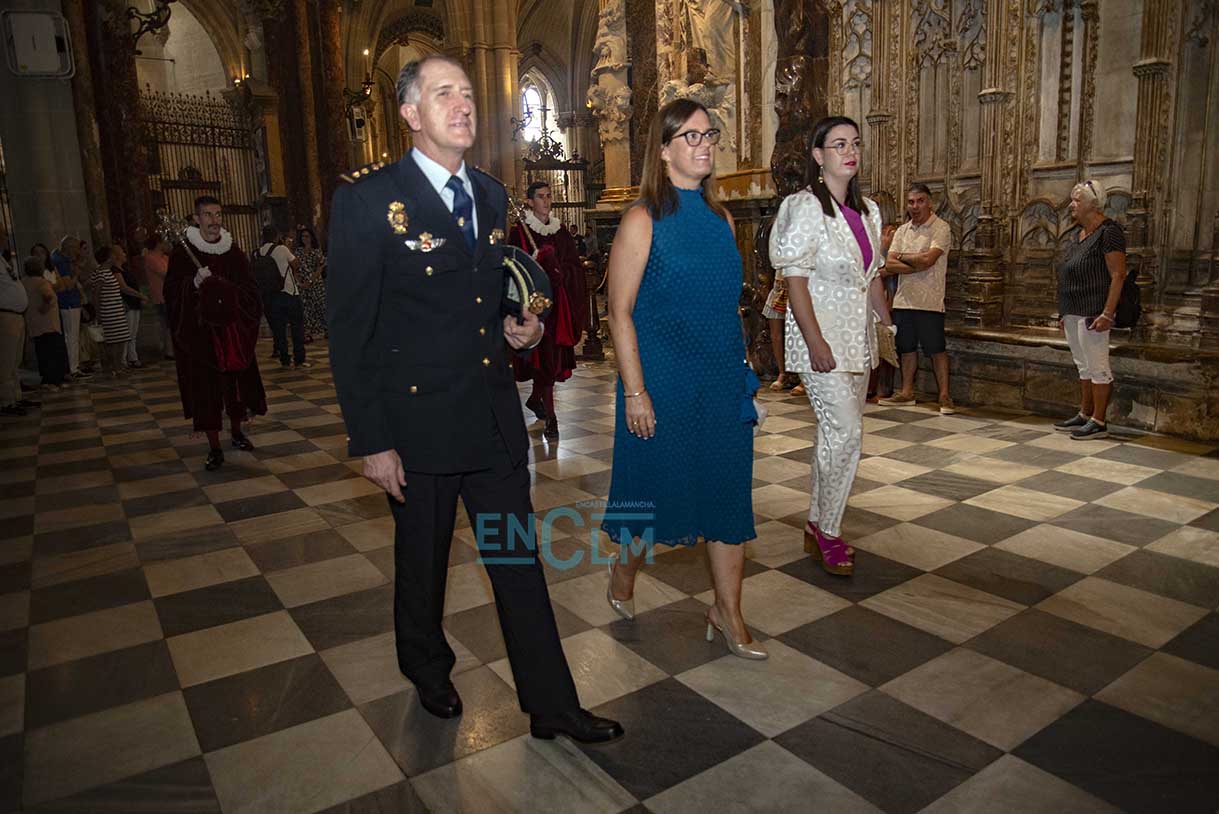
(567,187)
(202,145)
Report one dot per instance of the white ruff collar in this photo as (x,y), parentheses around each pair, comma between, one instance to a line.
(221,246)
(542,228)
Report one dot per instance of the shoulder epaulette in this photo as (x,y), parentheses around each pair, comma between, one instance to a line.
(362,172)
(494,178)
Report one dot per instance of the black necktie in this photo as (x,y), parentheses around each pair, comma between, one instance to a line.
(463,210)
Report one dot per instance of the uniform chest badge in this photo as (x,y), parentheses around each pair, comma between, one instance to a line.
(425,243)
(496,236)
(397,218)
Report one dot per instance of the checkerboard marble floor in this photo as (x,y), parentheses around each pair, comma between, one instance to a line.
(1032,626)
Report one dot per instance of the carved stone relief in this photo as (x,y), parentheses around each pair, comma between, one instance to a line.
(612,107)
(932,30)
(611,103)
(971,29)
(857,44)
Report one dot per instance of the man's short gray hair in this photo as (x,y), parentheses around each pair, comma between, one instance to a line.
(408,77)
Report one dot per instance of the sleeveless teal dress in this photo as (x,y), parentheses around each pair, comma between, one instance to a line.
(693,480)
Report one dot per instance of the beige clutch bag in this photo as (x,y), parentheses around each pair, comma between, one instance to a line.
(886,343)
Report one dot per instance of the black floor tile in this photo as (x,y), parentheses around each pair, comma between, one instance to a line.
(865,645)
(925,455)
(258,702)
(12,760)
(301,549)
(975,523)
(908,432)
(72,468)
(168,501)
(1032,456)
(311,477)
(14,651)
(946,484)
(96,496)
(400,798)
(1074,486)
(52,543)
(185,543)
(1073,655)
(1010,576)
(1208,521)
(1199,642)
(14,577)
(1173,577)
(181,788)
(348,618)
(87,595)
(216,605)
(1129,761)
(1143,456)
(249,507)
(873,574)
(478,629)
(890,754)
(157,470)
(1113,524)
(673,733)
(99,682)
(686,568)
(672,637)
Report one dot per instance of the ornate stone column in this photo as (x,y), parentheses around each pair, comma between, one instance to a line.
(1153,123)
(609,97)
(1210,297)
(308,109)
(334,145)
(880,116)
(117,93)
(254,12)
(984,286)
(801,84)
(83,102)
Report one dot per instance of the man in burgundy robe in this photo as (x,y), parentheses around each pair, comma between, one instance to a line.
(214,315)
(555,249)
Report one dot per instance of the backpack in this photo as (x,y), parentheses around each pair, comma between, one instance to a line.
(266,274)
(1129,305)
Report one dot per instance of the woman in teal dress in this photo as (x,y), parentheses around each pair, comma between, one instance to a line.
(674,282)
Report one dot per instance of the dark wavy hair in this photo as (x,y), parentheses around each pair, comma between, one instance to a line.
(49,265)
(812,174)
(301,230)
(656,191)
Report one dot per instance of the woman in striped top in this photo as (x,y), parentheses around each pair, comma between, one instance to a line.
(1090,278)
(108,290)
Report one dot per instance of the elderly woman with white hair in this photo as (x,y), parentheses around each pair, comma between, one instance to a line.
(1090,277)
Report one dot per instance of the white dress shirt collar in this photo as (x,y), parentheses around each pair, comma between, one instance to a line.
(439,177)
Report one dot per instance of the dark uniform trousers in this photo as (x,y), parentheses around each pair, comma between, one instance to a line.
(421,366)
(423,529)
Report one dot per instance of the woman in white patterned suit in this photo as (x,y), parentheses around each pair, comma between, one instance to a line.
(826,240)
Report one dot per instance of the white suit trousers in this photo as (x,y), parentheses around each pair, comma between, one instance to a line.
(838,400)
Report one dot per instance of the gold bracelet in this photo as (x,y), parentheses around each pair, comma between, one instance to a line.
(635,395)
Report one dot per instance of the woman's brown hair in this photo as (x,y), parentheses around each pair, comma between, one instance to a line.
(656,191)
(812,176)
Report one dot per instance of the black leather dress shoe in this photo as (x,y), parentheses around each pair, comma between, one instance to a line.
(580,725)
(441,700)
(552,429)
(214,460)
(241,442)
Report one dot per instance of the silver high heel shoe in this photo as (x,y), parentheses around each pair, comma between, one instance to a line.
(623,607)
(745,651)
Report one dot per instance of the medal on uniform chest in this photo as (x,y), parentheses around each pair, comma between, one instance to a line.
(425,243)
(397,218)
(496,236)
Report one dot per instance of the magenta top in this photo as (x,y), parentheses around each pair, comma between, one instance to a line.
(855,220)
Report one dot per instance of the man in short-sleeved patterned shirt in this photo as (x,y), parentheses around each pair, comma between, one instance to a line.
(919,255)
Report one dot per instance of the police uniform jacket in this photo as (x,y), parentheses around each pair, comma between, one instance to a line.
(416,322)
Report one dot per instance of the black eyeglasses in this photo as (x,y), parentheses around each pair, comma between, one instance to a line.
(695,138)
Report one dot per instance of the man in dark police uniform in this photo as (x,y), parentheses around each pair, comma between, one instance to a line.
(419,347)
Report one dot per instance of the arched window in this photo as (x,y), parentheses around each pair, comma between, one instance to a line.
(533,99)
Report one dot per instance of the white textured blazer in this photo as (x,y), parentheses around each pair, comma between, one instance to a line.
(805,243)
